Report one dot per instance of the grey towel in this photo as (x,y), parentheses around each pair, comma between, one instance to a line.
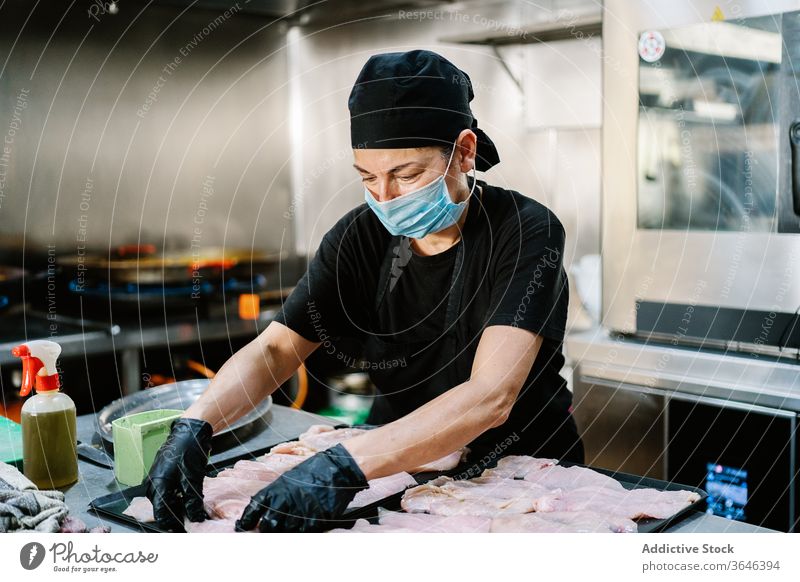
(23,507)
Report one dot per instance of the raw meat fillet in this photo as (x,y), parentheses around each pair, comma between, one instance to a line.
(212,526)
(292,448)
(224,496)
(360,526)
(636,504)
(517,466)
(141,510)
(72,524)
(563,522)
(487,496)
(395,522)
(229,508)
(320,437)
(382,488)
(558,477)
(423,522)
(446,463)
(251,470)
(281,462)
(661,504)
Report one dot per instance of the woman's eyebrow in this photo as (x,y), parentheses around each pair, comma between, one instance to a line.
(393,170)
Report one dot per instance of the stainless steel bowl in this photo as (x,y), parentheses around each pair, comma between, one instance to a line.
(179,396)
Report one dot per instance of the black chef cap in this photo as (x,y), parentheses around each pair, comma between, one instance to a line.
(414,99)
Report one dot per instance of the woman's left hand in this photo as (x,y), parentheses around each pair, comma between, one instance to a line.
(308,497)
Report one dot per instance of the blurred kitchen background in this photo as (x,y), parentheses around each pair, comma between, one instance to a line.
(221,128)
(169,167)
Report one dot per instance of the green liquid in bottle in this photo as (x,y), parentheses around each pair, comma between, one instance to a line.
(49,448)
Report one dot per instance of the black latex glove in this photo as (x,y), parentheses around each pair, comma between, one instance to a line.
(175,481)
(308,496)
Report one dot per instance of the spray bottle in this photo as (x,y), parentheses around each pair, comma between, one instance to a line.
(49,435)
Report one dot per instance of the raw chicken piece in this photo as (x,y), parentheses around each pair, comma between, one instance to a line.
(517,466)
(72,524)
(141,510)
(635,504)
(251,470)
(396,522)
(382,488)
(211,526)
(229,508)
(446,463)
(316,429)
(292,448)
(360,526)
(423,522)
(487,496)
(320,437)
(558,477)
(563,522)
(281,462)
(223,496)
(661,504)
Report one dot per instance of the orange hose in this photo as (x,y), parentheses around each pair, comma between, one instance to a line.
(200,369)
(302,388)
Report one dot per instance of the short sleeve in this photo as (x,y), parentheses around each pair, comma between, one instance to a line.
(323,304)
(529,287)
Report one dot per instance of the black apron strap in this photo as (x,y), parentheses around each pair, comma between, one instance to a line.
(456,289)
(394,253)
(386,269)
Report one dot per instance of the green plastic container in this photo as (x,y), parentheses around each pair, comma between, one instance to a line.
(10,442)
(137,438)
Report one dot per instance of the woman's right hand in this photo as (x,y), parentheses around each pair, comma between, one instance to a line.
(175,480)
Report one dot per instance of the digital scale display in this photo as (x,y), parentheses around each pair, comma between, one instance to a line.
(727,491)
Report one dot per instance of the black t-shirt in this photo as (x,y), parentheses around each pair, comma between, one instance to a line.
(419,288)
(514,277)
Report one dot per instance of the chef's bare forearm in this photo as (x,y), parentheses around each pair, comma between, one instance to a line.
(445,424)
(250,375)
(441,426)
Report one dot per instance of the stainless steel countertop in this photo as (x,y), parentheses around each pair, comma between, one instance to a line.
(283,424)
(729,376)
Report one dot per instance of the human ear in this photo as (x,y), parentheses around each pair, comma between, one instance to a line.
(467,149)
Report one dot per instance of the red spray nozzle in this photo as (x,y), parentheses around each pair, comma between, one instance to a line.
(33,365)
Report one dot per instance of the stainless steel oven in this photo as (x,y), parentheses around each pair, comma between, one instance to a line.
(701,173)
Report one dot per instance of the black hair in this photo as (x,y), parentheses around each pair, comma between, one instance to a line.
(445,151)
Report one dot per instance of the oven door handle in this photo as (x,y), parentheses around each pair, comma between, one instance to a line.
(794,142)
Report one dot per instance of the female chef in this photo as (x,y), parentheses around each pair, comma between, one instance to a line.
(454,288)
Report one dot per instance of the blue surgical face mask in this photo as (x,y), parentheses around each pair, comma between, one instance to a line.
(420,212)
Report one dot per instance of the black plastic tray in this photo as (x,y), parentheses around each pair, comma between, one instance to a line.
(114,504)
